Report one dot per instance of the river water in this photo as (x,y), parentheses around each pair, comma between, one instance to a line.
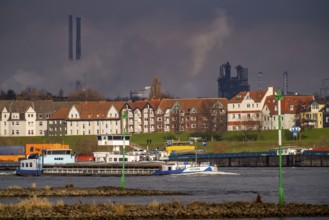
(301,185)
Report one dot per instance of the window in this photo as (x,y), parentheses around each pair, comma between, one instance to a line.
(291,107)
(40,123)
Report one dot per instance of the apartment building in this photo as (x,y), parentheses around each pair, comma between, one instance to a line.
(191,115)
(245,110)
(291,108)
(167,115)
(258,110)
(325,115)
(87,118)
(25,118)
(312,116)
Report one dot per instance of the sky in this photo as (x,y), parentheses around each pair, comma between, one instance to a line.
(126,43)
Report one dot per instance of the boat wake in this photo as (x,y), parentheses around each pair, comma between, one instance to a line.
(7,173)
(206,173)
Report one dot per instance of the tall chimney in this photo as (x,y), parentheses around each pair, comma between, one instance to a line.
(78,39)
(70,37)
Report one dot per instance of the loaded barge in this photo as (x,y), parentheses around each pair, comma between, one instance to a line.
(102,169)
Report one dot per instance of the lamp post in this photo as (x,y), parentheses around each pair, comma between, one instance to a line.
(123,183)
(281,193)
(195,139)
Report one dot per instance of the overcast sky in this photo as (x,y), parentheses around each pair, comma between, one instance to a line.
(126,43)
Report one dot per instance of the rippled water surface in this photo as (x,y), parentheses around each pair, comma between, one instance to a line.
(301,185)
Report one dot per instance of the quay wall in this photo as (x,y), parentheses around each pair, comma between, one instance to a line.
(271,161)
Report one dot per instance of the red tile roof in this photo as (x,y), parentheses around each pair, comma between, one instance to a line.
(290,104)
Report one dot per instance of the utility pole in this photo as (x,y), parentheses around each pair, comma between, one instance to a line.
(281,193)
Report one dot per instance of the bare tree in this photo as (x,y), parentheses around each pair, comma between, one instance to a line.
(85,95)
(31,93)
(213,117)
(156,88)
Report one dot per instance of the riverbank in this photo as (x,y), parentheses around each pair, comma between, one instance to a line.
(35,208)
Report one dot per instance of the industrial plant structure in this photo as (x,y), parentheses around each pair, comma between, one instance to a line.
(229,86)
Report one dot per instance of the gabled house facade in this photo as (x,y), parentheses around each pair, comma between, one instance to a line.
(325,115)
(24,118)
(312,116)
(245,110)
(88,118)
(292,107)
(191,115)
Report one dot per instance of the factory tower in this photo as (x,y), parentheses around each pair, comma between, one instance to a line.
(229,86)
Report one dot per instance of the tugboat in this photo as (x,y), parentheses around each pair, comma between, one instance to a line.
(32,166)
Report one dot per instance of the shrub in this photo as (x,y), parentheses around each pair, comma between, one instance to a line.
(34,186)
(34,202)
(14,187)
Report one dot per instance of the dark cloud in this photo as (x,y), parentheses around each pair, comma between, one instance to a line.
(125,43)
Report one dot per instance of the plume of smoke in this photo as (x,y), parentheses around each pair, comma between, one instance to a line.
(209,38)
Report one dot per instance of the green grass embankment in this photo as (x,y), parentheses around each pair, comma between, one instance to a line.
(224,142)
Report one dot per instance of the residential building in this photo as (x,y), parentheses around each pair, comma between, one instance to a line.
(87,118)
(291,108)
(25,118)
(325,115)
(311,116)
(245,110)
(191,115)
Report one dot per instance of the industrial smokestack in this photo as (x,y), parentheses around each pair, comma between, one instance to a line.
(70,37)
(78,39)
(285,83)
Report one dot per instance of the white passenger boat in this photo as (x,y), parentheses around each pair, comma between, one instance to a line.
(186,168)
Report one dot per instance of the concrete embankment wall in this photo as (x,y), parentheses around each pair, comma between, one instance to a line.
(272,161)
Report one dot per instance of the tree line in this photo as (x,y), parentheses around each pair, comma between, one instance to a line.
(80,93)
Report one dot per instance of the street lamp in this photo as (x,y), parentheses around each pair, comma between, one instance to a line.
(195,139)
(281,193)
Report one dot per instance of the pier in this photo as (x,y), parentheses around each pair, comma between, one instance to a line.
(258,159)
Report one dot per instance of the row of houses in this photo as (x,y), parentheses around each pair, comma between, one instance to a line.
(252,110)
